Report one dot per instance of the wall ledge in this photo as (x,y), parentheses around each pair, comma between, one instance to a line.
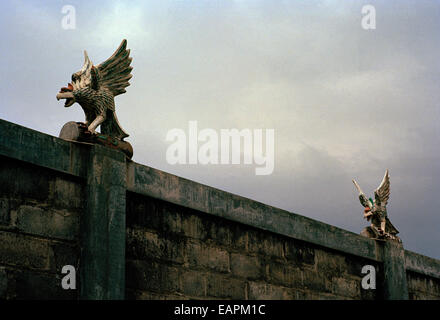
(422,264)
(180,191)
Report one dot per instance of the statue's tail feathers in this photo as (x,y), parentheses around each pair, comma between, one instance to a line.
(365,202)
(357,186)
(112,127)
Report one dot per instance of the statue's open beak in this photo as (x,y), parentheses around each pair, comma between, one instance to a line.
(66,93)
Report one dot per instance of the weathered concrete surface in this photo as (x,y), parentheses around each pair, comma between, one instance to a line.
(174,252)
(39,224)
(47,222)
(422,264)
(25,144)
(423,276)
(103,226)
(395,282)
(3,283)
(421,287)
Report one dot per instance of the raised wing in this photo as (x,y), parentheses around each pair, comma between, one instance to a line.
(83,77)
(114,73)
(382,193)
(365,202)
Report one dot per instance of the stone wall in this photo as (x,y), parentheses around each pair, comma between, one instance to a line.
(39,221)
(423,277)
(177,253)
(135,232)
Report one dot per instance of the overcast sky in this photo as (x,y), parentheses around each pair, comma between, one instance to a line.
(344,102)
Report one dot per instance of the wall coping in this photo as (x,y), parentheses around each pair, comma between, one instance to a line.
(422,264)
(43,150)
(168,187)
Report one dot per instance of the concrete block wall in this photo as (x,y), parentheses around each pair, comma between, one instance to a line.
(135,232)
(423,276)
(177,253)
(39,227)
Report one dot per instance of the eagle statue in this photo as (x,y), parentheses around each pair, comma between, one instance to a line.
(94,89)
(376,211)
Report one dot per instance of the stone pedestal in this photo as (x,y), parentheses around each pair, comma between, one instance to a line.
(77,131)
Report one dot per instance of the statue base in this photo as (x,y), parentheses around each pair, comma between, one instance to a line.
(372,233)
(78,131)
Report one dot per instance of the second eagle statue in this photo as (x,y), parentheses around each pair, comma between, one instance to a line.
(376,212)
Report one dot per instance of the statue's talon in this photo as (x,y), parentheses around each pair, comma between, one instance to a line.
(91,130)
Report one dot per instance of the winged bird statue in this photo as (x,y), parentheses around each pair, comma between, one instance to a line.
(94,89)
(376,211)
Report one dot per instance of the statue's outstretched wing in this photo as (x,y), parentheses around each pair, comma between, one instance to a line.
(382,193)
(114,73)
(365,202)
